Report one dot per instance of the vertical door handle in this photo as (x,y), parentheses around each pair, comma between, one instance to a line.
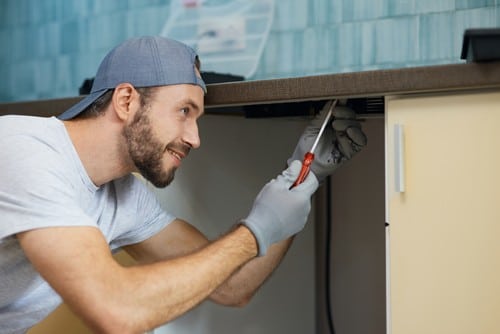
(399,158)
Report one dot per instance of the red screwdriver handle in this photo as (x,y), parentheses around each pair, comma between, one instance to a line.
(306,166)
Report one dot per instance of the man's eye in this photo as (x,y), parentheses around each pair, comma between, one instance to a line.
(184,111)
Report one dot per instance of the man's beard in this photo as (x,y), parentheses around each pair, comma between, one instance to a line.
(146,151)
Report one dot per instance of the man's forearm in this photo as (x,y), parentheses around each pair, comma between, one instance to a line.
(191,279)
(239,288)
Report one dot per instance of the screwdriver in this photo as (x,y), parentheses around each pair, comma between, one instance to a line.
(309,156)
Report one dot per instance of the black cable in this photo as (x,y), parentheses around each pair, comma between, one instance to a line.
(329,312)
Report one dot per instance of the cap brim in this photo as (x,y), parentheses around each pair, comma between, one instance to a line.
(82,105)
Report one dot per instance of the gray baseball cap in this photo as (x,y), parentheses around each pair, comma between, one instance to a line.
(143,62)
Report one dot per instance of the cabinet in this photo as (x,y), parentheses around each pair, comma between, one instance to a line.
(443,246)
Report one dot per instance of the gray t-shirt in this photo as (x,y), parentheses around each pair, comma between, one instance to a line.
(44,184)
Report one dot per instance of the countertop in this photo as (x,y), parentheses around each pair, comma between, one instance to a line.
(228,97)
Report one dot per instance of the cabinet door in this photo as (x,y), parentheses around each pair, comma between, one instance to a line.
(444,224)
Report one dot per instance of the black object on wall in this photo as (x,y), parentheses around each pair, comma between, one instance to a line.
(481,45)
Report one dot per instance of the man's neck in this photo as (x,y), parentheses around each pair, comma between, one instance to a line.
(101,148)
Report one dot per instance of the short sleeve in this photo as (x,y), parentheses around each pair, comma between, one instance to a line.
(37,188)
(146,216)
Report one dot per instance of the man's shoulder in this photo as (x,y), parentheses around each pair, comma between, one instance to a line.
(14,122)
(17,127)
(32,144)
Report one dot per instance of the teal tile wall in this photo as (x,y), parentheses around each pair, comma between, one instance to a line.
(49,47)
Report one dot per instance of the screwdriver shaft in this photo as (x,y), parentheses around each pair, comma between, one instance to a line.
(323,126)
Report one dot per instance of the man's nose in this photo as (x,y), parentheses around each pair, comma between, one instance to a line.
(192,136)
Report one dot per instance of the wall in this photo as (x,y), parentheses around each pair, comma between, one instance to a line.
(214,188)
(50,46)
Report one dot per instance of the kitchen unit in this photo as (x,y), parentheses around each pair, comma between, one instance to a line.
(406,237)
(444,220)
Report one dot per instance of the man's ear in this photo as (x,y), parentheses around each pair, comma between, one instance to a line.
(123,98)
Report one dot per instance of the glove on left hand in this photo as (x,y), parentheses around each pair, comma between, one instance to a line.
(340,141)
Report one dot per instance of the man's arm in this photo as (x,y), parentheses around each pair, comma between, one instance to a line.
(180,238)
(110,298)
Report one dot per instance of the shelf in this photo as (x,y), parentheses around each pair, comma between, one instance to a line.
(220,96)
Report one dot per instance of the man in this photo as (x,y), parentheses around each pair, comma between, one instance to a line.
(68,200)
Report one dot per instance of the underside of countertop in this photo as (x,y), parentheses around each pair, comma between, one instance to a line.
(231,97)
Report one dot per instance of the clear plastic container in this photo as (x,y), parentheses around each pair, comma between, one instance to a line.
(229,36)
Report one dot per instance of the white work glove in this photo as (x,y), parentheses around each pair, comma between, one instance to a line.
(279,212)
(340,141)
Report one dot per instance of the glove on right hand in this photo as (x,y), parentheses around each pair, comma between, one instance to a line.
(279,212)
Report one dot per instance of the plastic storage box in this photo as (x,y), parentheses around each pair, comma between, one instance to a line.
(228,35)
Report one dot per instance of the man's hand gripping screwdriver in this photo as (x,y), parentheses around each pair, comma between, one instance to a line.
(309,156)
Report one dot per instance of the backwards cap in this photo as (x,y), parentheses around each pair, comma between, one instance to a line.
(143,62)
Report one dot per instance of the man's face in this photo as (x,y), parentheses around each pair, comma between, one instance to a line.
(163,132)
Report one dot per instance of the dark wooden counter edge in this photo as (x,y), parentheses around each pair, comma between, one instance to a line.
(454,77)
